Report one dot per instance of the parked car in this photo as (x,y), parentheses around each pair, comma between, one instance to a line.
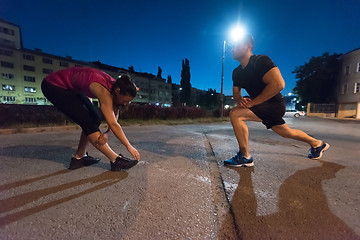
(294,113)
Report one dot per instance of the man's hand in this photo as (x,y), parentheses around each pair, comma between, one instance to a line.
(245,103)
(249,103)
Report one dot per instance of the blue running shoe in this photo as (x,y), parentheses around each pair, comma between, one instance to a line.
(239,161)
(316,153)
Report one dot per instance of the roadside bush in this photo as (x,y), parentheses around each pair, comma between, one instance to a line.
(147,112)
(36,115)
(12,114)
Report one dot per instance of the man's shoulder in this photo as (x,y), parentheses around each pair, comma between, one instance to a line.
(237,69)
(260,57)
(261,61)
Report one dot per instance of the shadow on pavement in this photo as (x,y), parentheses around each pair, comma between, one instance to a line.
(58,154)
(303,208)
(100,181)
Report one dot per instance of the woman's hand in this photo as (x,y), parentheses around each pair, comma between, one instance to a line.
(134,152)
(102,140)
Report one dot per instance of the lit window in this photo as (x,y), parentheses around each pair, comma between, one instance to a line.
(30,89)
(6,87)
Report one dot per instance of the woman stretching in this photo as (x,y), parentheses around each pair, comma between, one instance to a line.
(69,90)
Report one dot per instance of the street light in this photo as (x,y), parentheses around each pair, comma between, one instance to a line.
(237,33)
(222,84)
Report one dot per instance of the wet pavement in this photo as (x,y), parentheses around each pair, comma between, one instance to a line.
(180,189)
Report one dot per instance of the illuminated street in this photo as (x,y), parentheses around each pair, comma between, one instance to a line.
(180,189)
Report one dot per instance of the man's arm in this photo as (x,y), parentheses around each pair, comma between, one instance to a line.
(274,84)
(240,101)
(237,94)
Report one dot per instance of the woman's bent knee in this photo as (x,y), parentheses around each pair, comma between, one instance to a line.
(93,137)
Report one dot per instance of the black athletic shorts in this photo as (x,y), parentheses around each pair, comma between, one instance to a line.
(270,112)
(75,106)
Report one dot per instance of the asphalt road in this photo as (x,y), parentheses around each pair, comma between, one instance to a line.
(180,189)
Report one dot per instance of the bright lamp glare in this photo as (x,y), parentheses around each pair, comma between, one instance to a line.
(237,33)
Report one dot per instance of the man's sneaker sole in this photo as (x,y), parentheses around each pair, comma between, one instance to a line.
(327,146)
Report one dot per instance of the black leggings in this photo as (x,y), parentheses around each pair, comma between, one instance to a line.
(75,106)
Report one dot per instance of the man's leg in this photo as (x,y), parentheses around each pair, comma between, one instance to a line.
(285,131)
(317,146)
(238,116)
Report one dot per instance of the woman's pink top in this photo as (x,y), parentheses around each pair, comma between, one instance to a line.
(78,79)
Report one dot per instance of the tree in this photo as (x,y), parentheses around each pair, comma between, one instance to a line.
(131,69)
(318,79)
(185,82)
(159,72)
(169,79)
(209,100)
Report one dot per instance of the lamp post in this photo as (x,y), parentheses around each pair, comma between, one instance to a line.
(222,83)
(236,34)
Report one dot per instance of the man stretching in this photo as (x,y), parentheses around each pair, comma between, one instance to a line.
(262,80)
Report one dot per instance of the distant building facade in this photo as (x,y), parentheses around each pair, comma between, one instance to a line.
(349,94)
(151,89)
(22,71)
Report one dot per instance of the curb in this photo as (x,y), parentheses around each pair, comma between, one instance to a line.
(344,120)
(43,129)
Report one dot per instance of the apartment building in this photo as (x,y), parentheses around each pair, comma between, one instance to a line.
(22,71)
(152,90)
(349,95)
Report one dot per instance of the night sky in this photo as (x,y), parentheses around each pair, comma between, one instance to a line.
(149,34)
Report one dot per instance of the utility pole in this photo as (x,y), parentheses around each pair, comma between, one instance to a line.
(222,83)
